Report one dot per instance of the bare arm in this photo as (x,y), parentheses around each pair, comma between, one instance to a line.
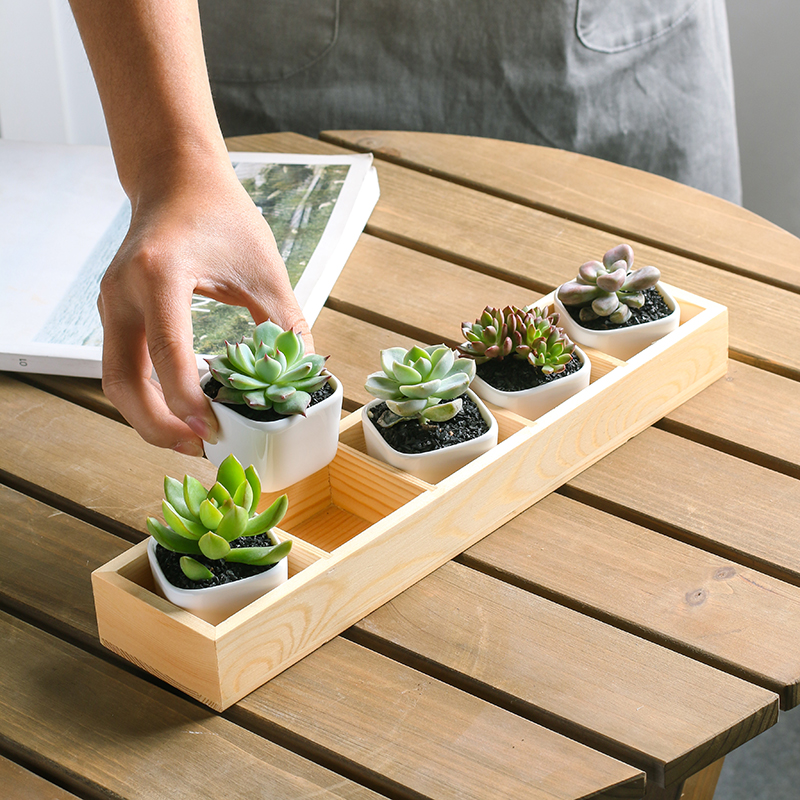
(193,228)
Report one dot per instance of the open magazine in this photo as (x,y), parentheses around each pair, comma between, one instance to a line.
(63,215)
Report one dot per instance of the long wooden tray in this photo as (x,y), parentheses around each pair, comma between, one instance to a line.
(363,531)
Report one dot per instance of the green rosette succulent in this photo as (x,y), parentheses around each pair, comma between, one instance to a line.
(269,370)
(527,334)
(610,288)
(423,383)
(200,521)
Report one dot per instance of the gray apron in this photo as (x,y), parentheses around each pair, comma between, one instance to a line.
(645,83)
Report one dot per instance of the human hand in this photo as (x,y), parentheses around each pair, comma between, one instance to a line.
(192,231)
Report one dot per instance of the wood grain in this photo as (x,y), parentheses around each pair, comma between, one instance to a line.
(388,713)
(20,784)
(109,733)
(715,501)
(701,604)
(651,707)
(629,202)
(702,785)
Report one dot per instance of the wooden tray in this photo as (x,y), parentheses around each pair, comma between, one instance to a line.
(364,531)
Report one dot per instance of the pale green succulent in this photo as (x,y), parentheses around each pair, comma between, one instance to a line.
(609,288)
(205,522)
(526,334)
(269,370)
(423,383)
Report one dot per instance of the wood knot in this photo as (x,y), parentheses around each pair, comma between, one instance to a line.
(696,597)
(724,573)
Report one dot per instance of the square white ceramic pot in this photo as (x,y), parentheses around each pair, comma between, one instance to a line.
(216,603)
(282,452)
(436,464)
(622,343)
(538,400)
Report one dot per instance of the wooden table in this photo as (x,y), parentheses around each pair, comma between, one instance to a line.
(616,640)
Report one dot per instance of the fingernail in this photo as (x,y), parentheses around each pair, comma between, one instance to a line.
(189,449)
(202,429)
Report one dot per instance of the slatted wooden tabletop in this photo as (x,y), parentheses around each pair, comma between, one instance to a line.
(616,640)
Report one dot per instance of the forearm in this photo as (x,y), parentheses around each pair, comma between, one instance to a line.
(147,59)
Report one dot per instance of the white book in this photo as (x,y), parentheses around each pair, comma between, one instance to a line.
(63,215)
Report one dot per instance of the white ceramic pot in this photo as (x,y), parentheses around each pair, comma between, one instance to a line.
(621,343)
(216,603)
(437,464)
(538,400)
(282,452)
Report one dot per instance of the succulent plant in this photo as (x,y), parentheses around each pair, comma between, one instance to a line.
(206,522)
(269,370)
(610,288)
(527,334)
(423,383)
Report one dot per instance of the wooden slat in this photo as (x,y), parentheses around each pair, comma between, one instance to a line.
(598,193)
(38,446)
(386,737)
(661,711)
(751,413)
(701,604)
(702,785)
(710,499)
(538,250)
(477,750)
(106,731)
(20,784)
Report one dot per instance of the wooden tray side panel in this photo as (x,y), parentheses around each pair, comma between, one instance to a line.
(155,635)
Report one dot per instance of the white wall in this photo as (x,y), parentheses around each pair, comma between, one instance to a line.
(47,92)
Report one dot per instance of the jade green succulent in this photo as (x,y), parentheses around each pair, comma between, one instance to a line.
(423,383)
(269,370)
(527,334)
(206,522)
(610,288)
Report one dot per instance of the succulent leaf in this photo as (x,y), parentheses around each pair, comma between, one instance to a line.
(170,540)
(226,512)
(213,546)
(182,526)
(173,492)
(230,474)
(194,570)
(193,495)
(609,289)
(260,556)
(210,515)
(268,518)
(264,371)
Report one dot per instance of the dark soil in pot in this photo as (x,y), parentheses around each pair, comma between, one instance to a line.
(212,387)
(224,572)
(654,308)
(411,437)
(516,375)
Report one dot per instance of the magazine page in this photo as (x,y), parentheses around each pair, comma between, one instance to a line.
(63,216)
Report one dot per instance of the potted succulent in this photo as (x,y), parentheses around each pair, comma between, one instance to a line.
(278,408)
(214,554)
(525,362)
(614,308)
(425,419)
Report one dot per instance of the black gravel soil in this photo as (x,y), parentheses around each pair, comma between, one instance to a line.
(213,386)
(411,437)
(224,572)
(516,375)
(654,308)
